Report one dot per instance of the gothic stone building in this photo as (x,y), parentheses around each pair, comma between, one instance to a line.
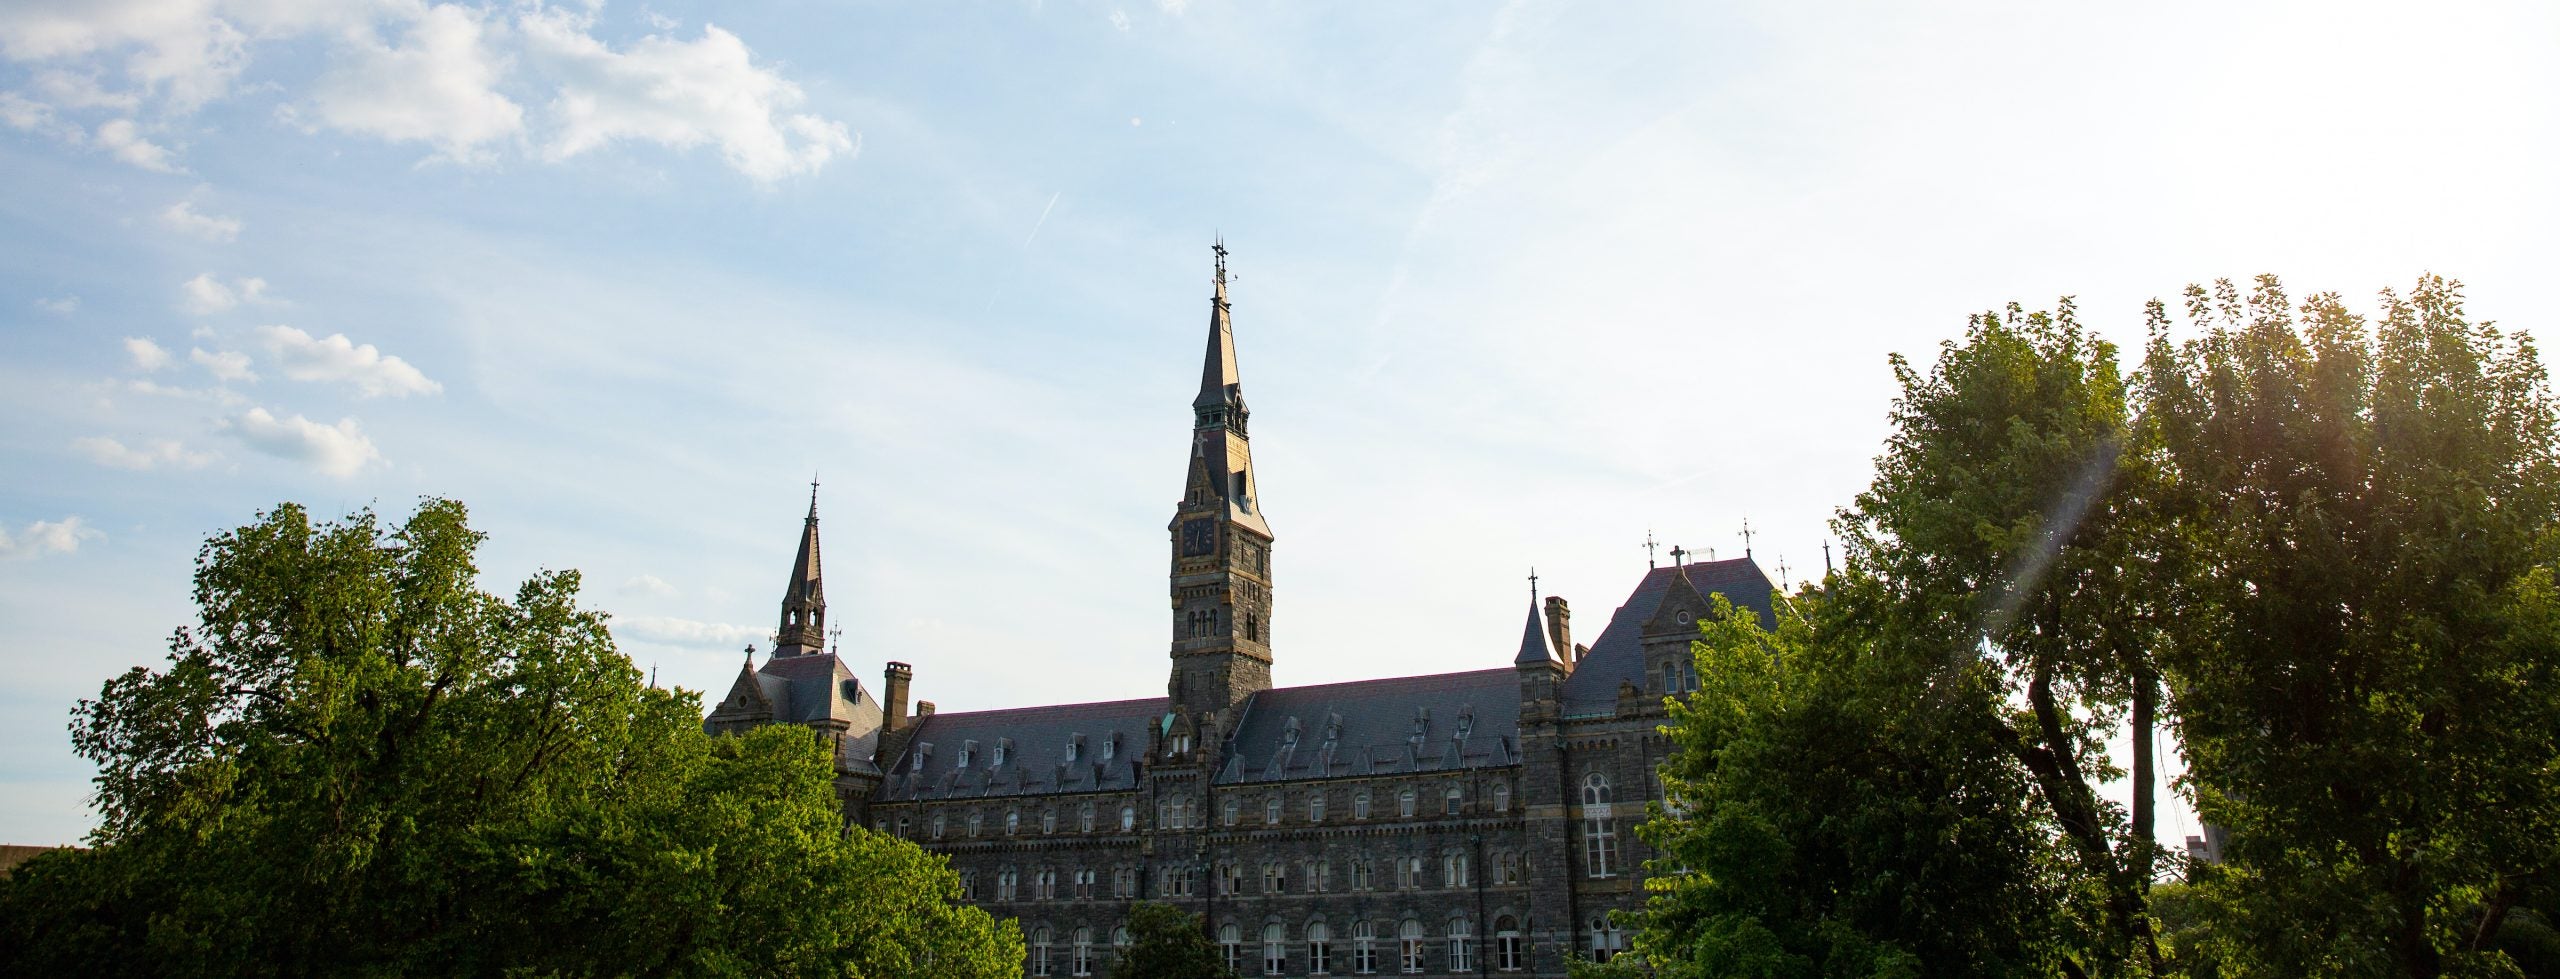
(1460,824)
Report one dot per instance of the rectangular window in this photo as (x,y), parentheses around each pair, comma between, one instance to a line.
(1412,953)
(1319,958)
(1315,808)
(1507,953)
(1364,956)
(1461,948)
(1600,846)
(1275,958)
(1235,956)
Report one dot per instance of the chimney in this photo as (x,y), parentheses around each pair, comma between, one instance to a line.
(1560,629)
(894,709)
(924,709)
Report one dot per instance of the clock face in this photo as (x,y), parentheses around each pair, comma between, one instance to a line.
(1199,537)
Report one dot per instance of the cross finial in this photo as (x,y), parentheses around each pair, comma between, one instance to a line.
(1678,554)
(1533,585)
(835,635)
(1782,569)
(1648,547)
(1746,537)
(1826,559)
(751,654)
(1219,248)
(813,492)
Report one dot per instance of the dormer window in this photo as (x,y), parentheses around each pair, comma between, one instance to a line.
(1466,723)
(1110,747)
(968,752)
(1075,746)
(998,761)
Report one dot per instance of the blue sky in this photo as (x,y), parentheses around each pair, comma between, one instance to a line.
(1517,284)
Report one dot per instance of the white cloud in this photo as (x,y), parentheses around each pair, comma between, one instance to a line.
(122,138)
(1174,7)
(678,93)
(147,356)
(684,632)
(46,537)
(1120,20)
(59,305)
(336,358)
(206,295)
(183,217)
(178,48)
(438,86)
(82,91)
(338,450)
(149,455)
(21,112)
(225,365)
(649,586)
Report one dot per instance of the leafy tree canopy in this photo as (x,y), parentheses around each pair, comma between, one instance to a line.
(358,763)
(1166,942)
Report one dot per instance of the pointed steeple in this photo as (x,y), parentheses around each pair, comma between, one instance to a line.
(1220,386)
(1533,640)
(803,627)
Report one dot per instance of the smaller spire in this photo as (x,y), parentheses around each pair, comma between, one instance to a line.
(1533,641)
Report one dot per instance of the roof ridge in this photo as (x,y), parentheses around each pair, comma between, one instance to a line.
(946,714)
(1501,671)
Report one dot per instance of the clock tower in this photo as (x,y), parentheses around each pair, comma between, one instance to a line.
(1221,569)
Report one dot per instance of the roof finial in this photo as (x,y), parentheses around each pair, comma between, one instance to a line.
(813,494)
(1533,584)
(1648,547)
(751,654)
(1678,553)
(1746,537)
(1826,558)
(1218,246)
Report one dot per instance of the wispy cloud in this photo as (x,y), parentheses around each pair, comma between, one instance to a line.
(59,305)
(155,454)
(185,219)
(225,365)
(123,139)
(206,295)
(1120,20)
(1044,219)
(146,355)
(339,450)
(45,537)
(648,586)
(336,359)
(684,632)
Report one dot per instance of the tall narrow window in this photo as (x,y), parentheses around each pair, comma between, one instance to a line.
(1012,822)
(1599,828)
(1364,948)
(1048,820)
(1453,869)
(1082,962)
(1271,810)
(1360,804)
(1502,797)
(1231,942)
(1606,940)
(1084,818)
(1409,944)
(1315,806)
(1506,944)
(1462,943)
(1451,801)
(1319,949)
(1128,818)
(1275,949)
(1039,951)
(968,885)
(975,820)
(1359,873)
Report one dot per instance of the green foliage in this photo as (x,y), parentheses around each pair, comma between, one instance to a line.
(1167,943)
(1842,804)
(2368,672)
(360,764)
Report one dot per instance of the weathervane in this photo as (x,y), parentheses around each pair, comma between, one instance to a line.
(1649,545)
(1533,584)
(1746,537)
(834,634)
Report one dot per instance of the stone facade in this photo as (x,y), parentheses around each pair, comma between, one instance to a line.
(1471,823)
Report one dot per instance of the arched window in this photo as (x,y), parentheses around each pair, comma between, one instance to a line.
(1359,873)
(1360,804)
(1045,886)
(1040,951)
(1364,947)
(937,825)
(1082,963)
(1409,944)
(1012,821)
(1453,870)
(1271,810)
(1231,943)
(1084,883)
(1006,883)
(1275,949)
(1315,806)
(1120,937)
(1451,801)
(1606,940)
(975,820)
(1320,876)
(1404,803)
(1319,949)
(1084,818)
(1275,877)
(1233,812)
(1506,944)
(1599,828)
(968,885)
(1128,818)
(1502,797)
(1048,820)
(1507,867)
(1462,945)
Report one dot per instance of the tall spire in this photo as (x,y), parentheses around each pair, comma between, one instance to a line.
(803,627)
(1534,650)
(1219,384)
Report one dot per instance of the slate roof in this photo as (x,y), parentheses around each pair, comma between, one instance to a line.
(1035,740)
(1378,727)
(1533,643)
(1618,655)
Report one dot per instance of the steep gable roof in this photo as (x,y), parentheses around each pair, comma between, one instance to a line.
(1377,727)
(1617,657)
(1036,741)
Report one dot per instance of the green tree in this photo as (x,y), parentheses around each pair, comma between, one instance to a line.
(1167,943)
(358,763)
(2008,529)
(2366,670)
(1841,803)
